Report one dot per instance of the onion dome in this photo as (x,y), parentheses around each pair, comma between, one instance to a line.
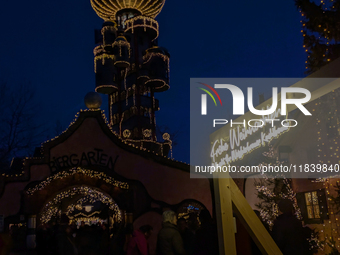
(107,9)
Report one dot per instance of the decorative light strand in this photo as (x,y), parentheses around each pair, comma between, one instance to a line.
(51,208)
(78,170)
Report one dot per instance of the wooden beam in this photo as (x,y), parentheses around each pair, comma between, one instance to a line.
(224,216)
(251,222)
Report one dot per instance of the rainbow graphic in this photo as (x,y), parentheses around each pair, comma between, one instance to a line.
(204,98)
(213,90)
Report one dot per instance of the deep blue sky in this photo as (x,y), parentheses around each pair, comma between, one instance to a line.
(50,44)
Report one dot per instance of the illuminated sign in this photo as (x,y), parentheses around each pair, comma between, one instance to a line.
(244,138)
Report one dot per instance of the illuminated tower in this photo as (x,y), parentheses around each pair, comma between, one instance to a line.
(130,68)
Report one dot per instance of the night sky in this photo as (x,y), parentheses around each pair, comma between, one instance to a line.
(50,44)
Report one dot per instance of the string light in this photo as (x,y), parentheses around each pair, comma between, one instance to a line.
(111,28)
(78,170)
(327,149)
(269,207)
(318,38)
(92,195)
(123,45)
(144,23)
(158,84)
(107,10)
(102,57)
(16,176)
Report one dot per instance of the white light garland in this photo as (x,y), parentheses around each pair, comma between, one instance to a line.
(90,194)
(77,170)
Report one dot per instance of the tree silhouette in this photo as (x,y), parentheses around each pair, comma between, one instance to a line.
(20,131)
(321,33)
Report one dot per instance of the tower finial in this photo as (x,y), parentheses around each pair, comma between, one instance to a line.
(107,9)
(93,100)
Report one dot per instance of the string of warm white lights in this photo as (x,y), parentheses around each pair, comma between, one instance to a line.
(78,205)
(149,55)
(107,10)
(78,170)
(143,22)
(13,175)
(93,195)
(102,57)
(111,28)
(270,211)
(123,45)
(157,55)
(265,190)
(87,220)
(319,39)
(16,175)
(328,152)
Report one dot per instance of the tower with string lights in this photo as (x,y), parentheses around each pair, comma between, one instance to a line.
(130,68)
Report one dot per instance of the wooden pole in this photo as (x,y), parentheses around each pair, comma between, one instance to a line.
(229,199)
(224,216)
(252,223)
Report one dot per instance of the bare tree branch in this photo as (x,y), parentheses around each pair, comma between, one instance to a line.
(20,131)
